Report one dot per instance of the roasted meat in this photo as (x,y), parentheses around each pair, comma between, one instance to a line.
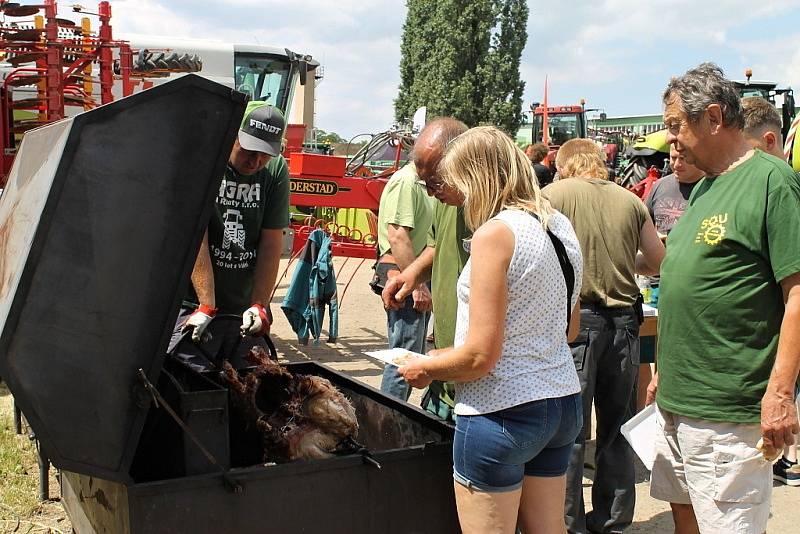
(298,416)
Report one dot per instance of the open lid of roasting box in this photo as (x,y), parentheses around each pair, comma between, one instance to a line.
(100,224)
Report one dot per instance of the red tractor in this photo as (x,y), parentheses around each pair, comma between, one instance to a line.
(555,125)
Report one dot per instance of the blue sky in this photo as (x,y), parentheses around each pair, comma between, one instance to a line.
(616,54)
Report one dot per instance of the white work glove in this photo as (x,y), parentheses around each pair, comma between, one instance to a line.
(255,321)
(198,321)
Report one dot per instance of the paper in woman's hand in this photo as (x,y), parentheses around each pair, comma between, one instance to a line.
(397,356)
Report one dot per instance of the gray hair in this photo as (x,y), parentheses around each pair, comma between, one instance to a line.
(702,86)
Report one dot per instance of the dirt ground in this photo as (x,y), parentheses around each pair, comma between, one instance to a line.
(362,327)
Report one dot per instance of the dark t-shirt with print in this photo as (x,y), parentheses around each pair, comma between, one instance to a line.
(245,205)
(667,201)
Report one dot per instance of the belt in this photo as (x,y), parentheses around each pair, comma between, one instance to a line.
(604,310)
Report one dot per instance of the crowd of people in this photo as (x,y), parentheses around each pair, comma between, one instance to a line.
(537,313)
(531,278)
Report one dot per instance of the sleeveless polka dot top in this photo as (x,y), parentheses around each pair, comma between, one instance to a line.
(536,362)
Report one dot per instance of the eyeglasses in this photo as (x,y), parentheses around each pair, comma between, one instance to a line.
(433,186)
(674,126)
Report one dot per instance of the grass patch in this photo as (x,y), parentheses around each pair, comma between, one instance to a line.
(18,467)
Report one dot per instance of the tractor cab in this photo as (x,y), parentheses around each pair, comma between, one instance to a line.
(563,123)
(782,98)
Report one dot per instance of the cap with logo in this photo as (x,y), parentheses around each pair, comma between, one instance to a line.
(262,128)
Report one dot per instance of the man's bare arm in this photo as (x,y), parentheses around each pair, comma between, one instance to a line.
(203,275)
(648,261)
(422,267)
(267,265)
(778,412)
(400,242)
(403,253)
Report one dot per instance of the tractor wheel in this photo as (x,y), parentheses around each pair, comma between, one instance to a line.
(634,172)
(172,61)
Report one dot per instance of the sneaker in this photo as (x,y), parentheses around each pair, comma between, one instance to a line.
(787,472)
(793,476)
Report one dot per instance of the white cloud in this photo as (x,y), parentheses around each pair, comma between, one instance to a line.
(148,17)
(360,64)
(776,59)
(617,54)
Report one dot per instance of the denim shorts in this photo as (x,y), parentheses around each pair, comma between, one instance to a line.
(493,452)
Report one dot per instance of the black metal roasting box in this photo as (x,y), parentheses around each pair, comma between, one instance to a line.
(100,223)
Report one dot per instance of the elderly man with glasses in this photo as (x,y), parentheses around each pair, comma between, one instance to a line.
(404,222)
(729,317)
(444,257)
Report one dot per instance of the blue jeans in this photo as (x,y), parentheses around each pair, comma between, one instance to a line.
(494,452)
(406,329)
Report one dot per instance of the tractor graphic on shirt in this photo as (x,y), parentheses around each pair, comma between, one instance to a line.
(233,229)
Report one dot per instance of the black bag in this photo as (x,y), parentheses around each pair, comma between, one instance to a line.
(381,276)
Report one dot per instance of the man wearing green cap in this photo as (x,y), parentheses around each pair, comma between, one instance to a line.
(237,265)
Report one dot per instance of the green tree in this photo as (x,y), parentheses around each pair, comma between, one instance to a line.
(499,72)
(450,53)
(328,137)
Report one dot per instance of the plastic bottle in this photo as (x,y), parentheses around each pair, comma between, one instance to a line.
(644,288)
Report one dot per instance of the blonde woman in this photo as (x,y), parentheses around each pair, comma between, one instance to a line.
(518,402)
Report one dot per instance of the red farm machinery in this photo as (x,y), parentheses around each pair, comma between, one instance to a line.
(322,184)
(53,67)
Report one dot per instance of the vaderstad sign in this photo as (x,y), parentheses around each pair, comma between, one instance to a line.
(313,187)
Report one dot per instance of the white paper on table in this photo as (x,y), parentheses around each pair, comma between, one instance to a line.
(649,311)
(640,431)
(388,355)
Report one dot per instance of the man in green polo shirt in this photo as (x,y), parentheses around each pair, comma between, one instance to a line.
(238,261)
(450,237)
(729,316)
(442,262)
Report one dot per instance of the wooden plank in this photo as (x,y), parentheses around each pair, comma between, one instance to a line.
(649,327)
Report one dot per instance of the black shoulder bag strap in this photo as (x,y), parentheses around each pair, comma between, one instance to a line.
(566,268)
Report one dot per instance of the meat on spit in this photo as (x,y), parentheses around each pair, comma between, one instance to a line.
(298,416)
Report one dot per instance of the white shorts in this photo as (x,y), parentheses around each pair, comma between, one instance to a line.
(716,468)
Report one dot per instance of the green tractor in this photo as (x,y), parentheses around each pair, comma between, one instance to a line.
(653,150)
(646,152)
(769,91)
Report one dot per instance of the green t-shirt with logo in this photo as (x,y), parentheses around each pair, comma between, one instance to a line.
(245,205)
(405,202)
(449,234)
(720,303)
